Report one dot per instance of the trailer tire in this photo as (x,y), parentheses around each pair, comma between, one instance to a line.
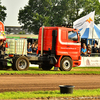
(20,63)
(46,66)
(66,64)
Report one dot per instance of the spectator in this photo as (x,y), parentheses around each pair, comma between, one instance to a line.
(29,44)
(2,45)
(36,47)
(33,46)
(84,50)
(99,49)
(95,48)
(29,49)
(88,49)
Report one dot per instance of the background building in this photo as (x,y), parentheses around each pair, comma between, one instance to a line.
(15,30)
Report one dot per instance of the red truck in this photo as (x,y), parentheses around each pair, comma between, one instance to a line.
(58,49)
(55,48)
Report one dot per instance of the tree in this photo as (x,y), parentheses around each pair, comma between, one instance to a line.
(2,12)
(80,8)
(55,12)
(22,32)
(91,5)
(40,12)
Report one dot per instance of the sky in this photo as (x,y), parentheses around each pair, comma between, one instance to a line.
(13,7)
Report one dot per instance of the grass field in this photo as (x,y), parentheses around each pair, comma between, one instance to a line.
(52,94)
(36,70)
(45,94)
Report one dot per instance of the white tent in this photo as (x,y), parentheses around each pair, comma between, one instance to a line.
(87,33)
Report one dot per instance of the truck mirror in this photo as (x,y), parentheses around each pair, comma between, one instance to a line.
(79,36)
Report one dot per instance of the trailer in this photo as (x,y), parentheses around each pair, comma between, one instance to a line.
(55,48)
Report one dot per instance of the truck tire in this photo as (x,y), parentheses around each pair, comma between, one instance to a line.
(1,67)
(66,64)
(46,66)
(14,63)
(20,63)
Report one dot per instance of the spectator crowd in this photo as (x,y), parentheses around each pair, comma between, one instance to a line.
(88,50)
(32,48)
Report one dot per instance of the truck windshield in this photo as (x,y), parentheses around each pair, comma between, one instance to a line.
(72,35)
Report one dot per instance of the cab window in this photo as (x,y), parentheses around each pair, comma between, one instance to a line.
(72,35)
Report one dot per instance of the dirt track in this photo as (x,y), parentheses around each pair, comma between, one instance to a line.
(47,82)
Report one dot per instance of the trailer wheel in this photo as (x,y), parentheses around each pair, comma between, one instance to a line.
(46,66)
(20,63)
(66,64)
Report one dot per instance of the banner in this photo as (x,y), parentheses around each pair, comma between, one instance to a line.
(90,62)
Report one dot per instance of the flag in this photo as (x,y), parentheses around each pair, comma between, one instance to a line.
(1,26)
(85,22)
(2,33)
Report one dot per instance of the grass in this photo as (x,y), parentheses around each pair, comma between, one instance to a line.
(46,94)
(36,70)
(56,93)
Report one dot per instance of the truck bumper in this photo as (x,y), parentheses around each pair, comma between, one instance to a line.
(76,63)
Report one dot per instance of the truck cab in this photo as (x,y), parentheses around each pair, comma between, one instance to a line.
(59,48)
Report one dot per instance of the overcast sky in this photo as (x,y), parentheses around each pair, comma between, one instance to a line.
(13,7)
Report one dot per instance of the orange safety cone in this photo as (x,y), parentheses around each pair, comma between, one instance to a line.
(6,46)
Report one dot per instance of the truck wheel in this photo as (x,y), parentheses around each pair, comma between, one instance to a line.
(66,64)
(20,63)
(14,63)
(46,66)
(1,67)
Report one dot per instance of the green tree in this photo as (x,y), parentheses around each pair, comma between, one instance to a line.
(92,5)
(80,8)
(2,12)
(55,12)
(22,32)
(40,12)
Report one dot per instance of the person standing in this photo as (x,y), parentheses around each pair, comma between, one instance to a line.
(29,49)
(89,50)
(84,50)
(95,48)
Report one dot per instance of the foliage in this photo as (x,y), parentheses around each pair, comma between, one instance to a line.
(2,12)
(55,12)
(47,94)
(22,32)
(38,13)
(80,8)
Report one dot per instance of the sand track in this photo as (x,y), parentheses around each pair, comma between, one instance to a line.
(47,82)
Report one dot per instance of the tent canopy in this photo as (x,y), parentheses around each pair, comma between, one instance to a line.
(87,33)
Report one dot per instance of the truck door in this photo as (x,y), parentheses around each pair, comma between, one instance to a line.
(68,43)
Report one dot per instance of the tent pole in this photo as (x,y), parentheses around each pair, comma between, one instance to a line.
(92,34)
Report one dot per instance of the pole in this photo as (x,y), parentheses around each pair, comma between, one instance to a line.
(92,34)
(42,40)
